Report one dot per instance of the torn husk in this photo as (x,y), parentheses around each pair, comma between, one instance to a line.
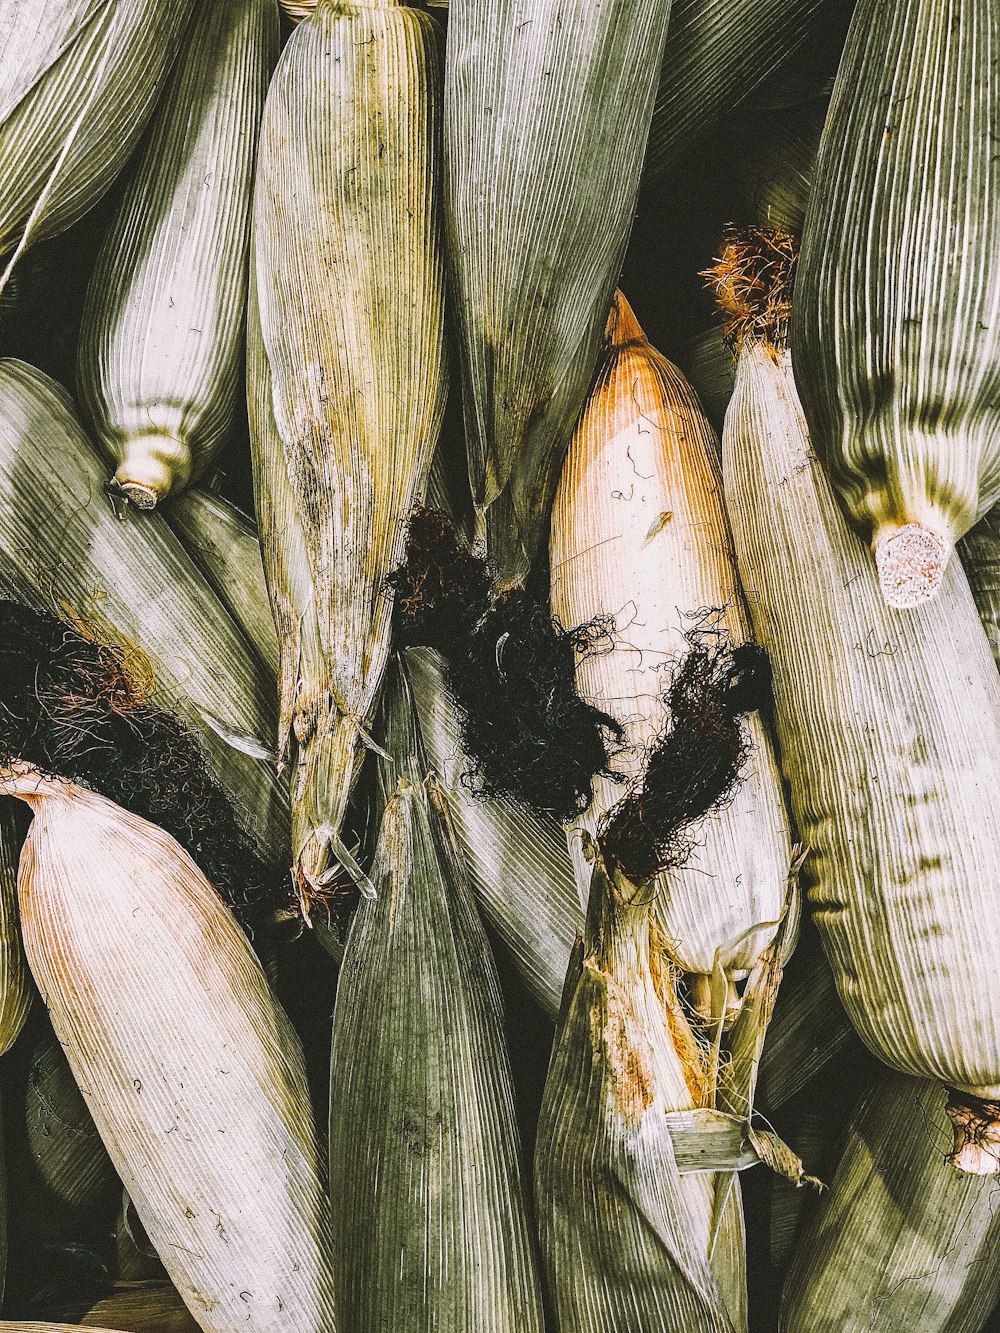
(900,1241)
(16,991)
(347,382)
(80,80)
(896,334)
(189,1066)
(62,547)
(428,1197)
(628,1242)
(159,356)
(541,180)
(515,858)
(226,548)
(888,724)
(640,540)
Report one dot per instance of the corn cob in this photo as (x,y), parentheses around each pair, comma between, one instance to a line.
(889,728)
(226,548)
(639,532)
(80,80)
(15,983)
(717,52)
(897,317)
(136,584)
(422,1112)
(159,355)
(980,554)
(66,1149)
(169,1024)
(628,1243)
(547,114)
(515,859)
(899,1242)
(351,316)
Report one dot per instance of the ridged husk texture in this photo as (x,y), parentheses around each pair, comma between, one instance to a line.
(350,290)
(628,1242)
(900,1242)
(428,1199)
(226,548)
(33,1326)
(896,334)
(979,551)
(188,1065)
(717,53)
(547,113)
(62,547)
(66,1149)
(889,727)
(15,982)
(515,858)
(639,535)
(160,350)
(147,1308)
(80,80)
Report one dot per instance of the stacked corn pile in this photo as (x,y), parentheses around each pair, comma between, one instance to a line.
(497,826)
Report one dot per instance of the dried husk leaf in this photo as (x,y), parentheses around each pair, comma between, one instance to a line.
(774,159)
(15,982)
(627,1241)
(62,547)
(896,331)
(226,548)
(66,1149)
(83,79)
(160,352)
(889,728)
(148,1308)
(541,177)
(639,534)
(515,858)
(33,1326)
(351,323)
(900,1241)
(422,1107)
(979,551)
(717,53)
(186,1060)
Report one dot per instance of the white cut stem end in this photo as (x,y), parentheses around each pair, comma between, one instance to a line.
(977,1138)
(911,561)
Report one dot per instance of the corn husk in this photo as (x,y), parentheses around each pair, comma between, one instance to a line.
(515,858)
(187,1062)
(707,365)
(896,331)
(422,1107)
(80,80)
(351,325)
(900,1241)
(774,158)
(628,1242)
(61,545)
(147,1308)
(15,982)
(979,551)
(160,352)
(717,53)
(225,546)
(66,1149)
(639,533)
(541,177)
(889,730)
(33,1326)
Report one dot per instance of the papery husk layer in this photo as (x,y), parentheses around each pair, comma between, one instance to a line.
(15,980)
(67,1153)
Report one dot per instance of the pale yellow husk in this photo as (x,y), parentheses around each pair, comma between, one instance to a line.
(80,80)
(628,1242)
(639,534)
(515,858)
(896,331)
(425,1157)
(133,583)
(889,728)
(186,1060)
(160,351)
(900,1242)
(15,982)
(66,1149)
(225,546)
(541,176)
(349,281)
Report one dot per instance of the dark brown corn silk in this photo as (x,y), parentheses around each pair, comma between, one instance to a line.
(78,709)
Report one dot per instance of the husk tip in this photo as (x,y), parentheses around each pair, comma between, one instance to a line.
(752,281)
